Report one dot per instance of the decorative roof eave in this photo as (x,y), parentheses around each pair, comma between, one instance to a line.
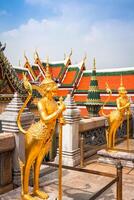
(10,74)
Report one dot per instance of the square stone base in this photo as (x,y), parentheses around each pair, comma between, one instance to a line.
(110,157)
(69,158)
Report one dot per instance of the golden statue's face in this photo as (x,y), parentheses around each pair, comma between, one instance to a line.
(122,91)
(52,87)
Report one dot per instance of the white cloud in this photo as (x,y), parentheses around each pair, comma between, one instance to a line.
(111,42)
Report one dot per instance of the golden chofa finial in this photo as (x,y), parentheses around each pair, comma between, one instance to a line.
(94,64)
(64,56)
(36,55)
(85,57)
(71,53)
(25,57)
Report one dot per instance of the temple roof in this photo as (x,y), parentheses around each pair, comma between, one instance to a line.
(20,70)
(72,75)
(57,68)
(72,78)
(38,72)
(112,77)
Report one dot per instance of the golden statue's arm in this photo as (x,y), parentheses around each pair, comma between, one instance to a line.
(48,118)
(127,105)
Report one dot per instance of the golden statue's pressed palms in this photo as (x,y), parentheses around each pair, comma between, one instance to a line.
(38,137)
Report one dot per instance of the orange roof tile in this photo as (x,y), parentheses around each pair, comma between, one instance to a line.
(62,92)
(84,83)
(79,98)
(56,71)
(114,81)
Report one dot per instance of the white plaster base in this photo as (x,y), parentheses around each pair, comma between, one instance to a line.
(69,158)
(127,159)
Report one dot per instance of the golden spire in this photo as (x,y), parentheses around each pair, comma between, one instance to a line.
(94,64)
(47,67)
(19,63)
(121,83)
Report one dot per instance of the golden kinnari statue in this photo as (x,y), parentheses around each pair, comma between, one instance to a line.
(116,117)
(39,136)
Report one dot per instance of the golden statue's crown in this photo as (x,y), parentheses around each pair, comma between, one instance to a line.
(48,79)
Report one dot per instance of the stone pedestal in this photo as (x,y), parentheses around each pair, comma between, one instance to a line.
(70,142)
(9,125)
(125,156)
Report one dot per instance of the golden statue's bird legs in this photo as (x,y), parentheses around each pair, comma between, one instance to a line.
(37,165)
(31,154)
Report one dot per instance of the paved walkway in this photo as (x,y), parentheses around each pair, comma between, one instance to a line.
(81,186)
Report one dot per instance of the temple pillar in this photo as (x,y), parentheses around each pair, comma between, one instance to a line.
(70,140)
(9,125)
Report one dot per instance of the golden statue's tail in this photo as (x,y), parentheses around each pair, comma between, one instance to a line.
(28,87)
(107,100)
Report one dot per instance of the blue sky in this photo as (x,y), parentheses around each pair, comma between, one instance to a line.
(15,12)
(100,28)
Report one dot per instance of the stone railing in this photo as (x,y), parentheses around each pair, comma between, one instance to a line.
(7,145)
(93,130)
(93,134)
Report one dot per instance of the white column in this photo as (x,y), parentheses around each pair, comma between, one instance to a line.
(70,147)
(9,125)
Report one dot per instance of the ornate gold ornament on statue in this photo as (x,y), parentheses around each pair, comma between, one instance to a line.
(116,117)
(39,136)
